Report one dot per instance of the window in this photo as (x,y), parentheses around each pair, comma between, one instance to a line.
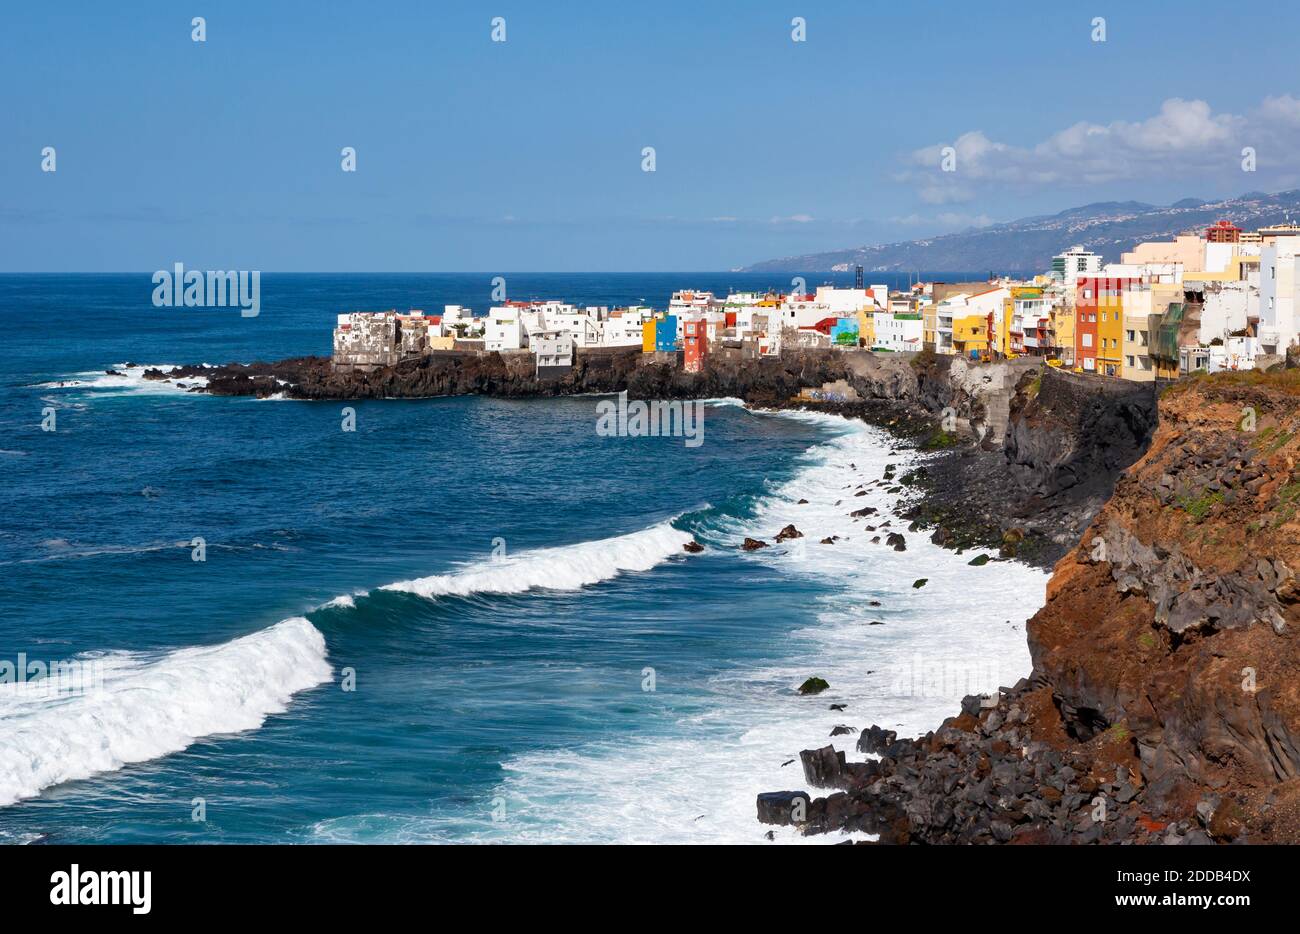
(1087,340)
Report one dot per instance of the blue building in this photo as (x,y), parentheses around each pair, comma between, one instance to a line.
(666,335)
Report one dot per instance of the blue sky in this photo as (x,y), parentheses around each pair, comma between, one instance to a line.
(526,155)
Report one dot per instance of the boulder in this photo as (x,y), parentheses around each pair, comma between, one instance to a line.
(781,807)
(787,533)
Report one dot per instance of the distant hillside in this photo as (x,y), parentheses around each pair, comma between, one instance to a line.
(1028,245)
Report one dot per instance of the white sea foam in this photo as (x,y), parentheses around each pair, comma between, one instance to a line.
(129,380)
(149,706)
(961,633)
(568,567)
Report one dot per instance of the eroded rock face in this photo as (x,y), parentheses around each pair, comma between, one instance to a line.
(1176,615)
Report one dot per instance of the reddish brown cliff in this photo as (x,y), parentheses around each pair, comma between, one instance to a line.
(1176,621)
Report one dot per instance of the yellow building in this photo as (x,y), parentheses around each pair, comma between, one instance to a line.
(970,333)
(867,328)
(1110,335)
(1020,313)
(1063,331)
(648,336)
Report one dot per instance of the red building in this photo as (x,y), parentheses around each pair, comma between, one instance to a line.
(696,338)
(1223,232)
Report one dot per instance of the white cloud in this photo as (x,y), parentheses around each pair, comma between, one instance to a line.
(1185,137)
(793,219)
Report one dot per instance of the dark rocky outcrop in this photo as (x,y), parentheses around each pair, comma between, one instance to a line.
(1067,439)
(1162,706)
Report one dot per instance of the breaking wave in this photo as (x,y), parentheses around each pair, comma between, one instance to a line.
(139,707)
(568,567)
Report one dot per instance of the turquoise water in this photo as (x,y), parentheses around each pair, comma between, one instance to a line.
(279,692)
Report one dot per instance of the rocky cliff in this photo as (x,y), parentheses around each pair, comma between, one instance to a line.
(1162,706)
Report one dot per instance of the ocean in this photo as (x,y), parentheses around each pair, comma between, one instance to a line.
(468,620)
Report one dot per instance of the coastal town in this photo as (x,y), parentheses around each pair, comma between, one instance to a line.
(1219,299)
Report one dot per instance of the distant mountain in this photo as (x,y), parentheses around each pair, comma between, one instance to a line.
(1028,245)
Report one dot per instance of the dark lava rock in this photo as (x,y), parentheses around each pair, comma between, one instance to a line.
(693,547)
(841,730)
(829,541)
(876,740)
(822,768)
(920,582)
(838,706)
(788,532)
(864,511)
(978,561)
(895,540)
(813,685)
(778,807)
(802,502)
(753,544)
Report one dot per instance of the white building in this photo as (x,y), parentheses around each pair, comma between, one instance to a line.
(844,303)
(803,311)
(898,332)
(503,329)
(1163,273)
(1278,283)
(625,327)
(585,329)
(690,303)
(459,321)
(554,351)
(1228,307)
(1235,353)
(1075,262)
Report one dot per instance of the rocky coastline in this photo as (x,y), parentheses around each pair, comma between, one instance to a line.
(1169,528)
(1161,706)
